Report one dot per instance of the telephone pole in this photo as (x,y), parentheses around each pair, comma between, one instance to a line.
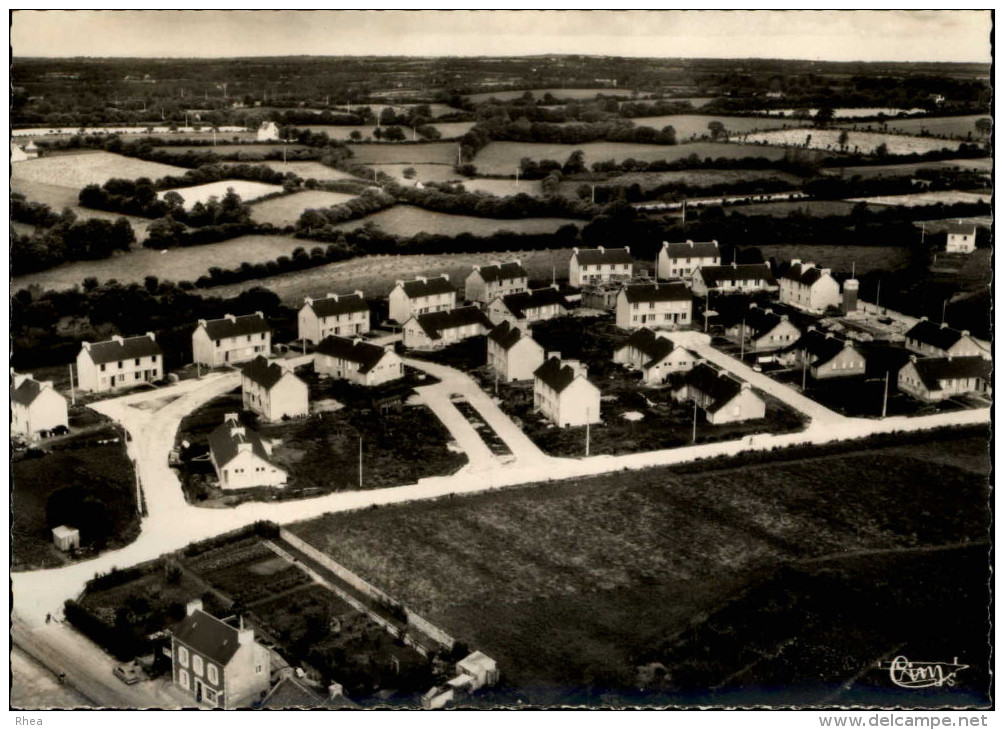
(742,342)
(73,391)
(693,430)
(587,432)
(885,394)
(360,462)
(805,362)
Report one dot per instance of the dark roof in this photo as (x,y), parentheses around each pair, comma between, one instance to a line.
(290,692)
(674,291)
(737,272)
(961,228)
(820,345)
(651,345)
(497,272)
(940,336)
(246,324)
(522,301)
(435,322)
(934,369)
(262,372)
(716,384)
(365,353)
(800,272)
(128,347)
(223,442)
(759,321)
(429,287)
(26,393)
(505,335)
(555,375)
(606,256)
(345,304)
(704,250)
(208,636)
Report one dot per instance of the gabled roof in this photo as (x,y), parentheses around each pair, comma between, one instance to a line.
(124,349)
(418,288)
(208,636)
(712,275)
(555,375)
(718,385)
(434,323)
(759,321)
(246,324)
(290,692)
(592,256)
(344,304)
(653,346)
(522,301)
(225,439)
(821,345)
(358,351)
(26,393)
(929,333)
(262,372)
(505,334)
(965,229)
(498,272)
(700,249)
(802,273)
(932,370)
(673,291)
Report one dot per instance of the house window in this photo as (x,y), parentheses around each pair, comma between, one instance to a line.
(183,678)
(197,665)
(214,676)
(120,364)
(257,669)
(217,343)
(210,695)
(183,656)
(102,367)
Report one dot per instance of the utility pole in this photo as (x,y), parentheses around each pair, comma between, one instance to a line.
(804,368)
(878,293)
(885,394)
(944,306)
(496,382)
(707,306)
(587,432)
(73,391)
(592,198)
(693,430)
(742,342)
(923,232)
(360,462)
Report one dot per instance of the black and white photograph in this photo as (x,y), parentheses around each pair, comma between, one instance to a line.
(501,359)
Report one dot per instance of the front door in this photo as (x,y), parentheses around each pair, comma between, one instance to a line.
(198,691)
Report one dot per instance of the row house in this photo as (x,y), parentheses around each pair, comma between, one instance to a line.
(681,260)
(934,379)
(35,406)
(762,329)
(733,279)
(595,265)
(563,393)
(961,237)
(512,353)
(826,355)
(656,356)
(806,286)
(119,362)
(660,306)
(272,391)
(528,307)
(335,314)
(439,329)
(357,361)
(723,397)
(242,458)
(217,664)
(933,340)
(485,283)
(421,296)
(231,340)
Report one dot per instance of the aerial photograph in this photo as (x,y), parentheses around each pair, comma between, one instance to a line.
(485,360)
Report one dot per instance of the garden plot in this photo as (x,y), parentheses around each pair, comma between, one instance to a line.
(286,209)
(90,168)
(936,197)
(248,190)
(861,142)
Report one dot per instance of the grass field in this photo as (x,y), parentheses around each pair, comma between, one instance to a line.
(285,210)
(984,164)
(443,153)
(840,258)
(248,190)
(695,126)
(782,208)
(307,169)
(572,584)
(447,129)
(937,197)
(427,172)
(556,93)
(955,127)
(407,220)
(864,142)
(248,152)
(77,171)
(649,180)
(502,187)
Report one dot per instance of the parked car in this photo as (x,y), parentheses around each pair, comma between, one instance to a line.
(128,673)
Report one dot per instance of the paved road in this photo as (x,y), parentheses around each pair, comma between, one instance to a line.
(437,398)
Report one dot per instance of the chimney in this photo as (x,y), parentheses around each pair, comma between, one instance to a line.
(152,336)
(359,293)
(734,266)
(768,310)
(117,338)
(575,251)
(202,323)
(287,673)
(18,379)
(665,244)
(690,243)
(784,317)
(577,367)
(475,267)
(924,318)
(260,315)
(949,357)
(240,431)
(943,325)
(245,636)
(965,333)
(811,328)
(825,272)
(335,690)
(627,249)
(829,335)
(796,262)
(517,262)
(307,301)
(446,276)
(86,345)
(230,417)
(809,265)
(231,317)
(399,283)
(913,358)
(553,354)
(713,241)
(192,606)
(600,249)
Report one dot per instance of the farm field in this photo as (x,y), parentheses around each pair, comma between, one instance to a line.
(427,172)
(376,275)
(307,169)
(840,258)
(248,190)
(286,209)
(343,132)
(846,112)
(443,153)
(407,220)
(79,170)
(785,207)
(556,93)
(954,127)
(612,564)
(694,126)
(939,226)
(247,152)
(936,197)
(502,187)
(502,158)
(865,142)
(984,164)
(176,264)
(649,180)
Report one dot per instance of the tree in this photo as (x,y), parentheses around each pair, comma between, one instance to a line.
(842,139)
(394,134)
(825,115)
(575,163)
(983,126)
(882,150)
(355,135)
(716,128)
(409,173)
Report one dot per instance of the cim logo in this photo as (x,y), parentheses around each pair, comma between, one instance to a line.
(918,675)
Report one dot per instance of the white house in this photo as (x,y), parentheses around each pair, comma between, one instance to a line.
(358,361)
(119,362)
(272,391)
(66,538)
(680,260)
(439,329)
(268,132)
(961,238)
(733,279)
(932,340)
(485,283)
(934,379)
(808,287)
(35,406)
(826,355)
(594,265)
(669,305)
(481,668)
(241,457)
(421,296)
(335,314)
(219,665)
(231,340)
(563,393)
(723,397)
(528,307)
(655,355)
(513,353)
(762,329)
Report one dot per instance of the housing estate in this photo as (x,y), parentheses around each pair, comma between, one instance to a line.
(527,307)
(733,279)
(939,340)
(242,458)
(231,340)
(219,665)
(961,238)
(272,391)
(723,397)
(680,260)
(655,355)
(594,265)
(119,362)
(762,329)
(335,314)
(662,306)
(35,406)
(439,329)
(421,296)
(513,353)
(357,361)
(485,283)
(808,287)
(934,379)
(563,393)
(826,355)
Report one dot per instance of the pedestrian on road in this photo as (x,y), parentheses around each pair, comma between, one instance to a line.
(48,618)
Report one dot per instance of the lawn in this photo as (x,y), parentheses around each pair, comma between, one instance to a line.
(782,208)
(78,171)
(285,210)
(571,585)
(540,93)
(427,172)
(963,127)
(307,169)
(984,164)
(840,258)
(863,142)
(237,152)
(936,197)
(695,126)
(443,153)
(248,190)
(407,221)
(448,130)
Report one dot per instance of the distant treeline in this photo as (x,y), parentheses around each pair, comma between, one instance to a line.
(62,238)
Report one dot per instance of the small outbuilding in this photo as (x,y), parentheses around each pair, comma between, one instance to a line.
(66,538)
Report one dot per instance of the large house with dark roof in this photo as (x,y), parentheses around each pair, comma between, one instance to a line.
(563,393)
(595,265)
(825,355)
(961,237)
(761,328)
(292,692)
(528,307)
(421,296)
(933,340)
(808,287)
(119,362)
(439,329)
(335,314)
(357,361)
(231,340)
(35,406)
(934,379)
(723,397)
(485,283)
(669,305)
(733,279)
(513,353)
(681,260)
(242,458)
(656,356)
(219,665)
(272,391)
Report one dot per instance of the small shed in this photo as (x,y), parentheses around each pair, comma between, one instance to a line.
(66,538)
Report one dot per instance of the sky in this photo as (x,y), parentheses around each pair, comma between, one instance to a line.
(858,35)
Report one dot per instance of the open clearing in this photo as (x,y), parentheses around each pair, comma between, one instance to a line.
(248,190)
(556,93)
(307,169)
(423,172)
(693,126)
(649,180)
(840,258)
(77,171)
(864,142)
(448,130)
(502,188)
(785,207)
(984,164)
(955,127)
(935,197)
(407,220)
(286,209)
(443,153)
